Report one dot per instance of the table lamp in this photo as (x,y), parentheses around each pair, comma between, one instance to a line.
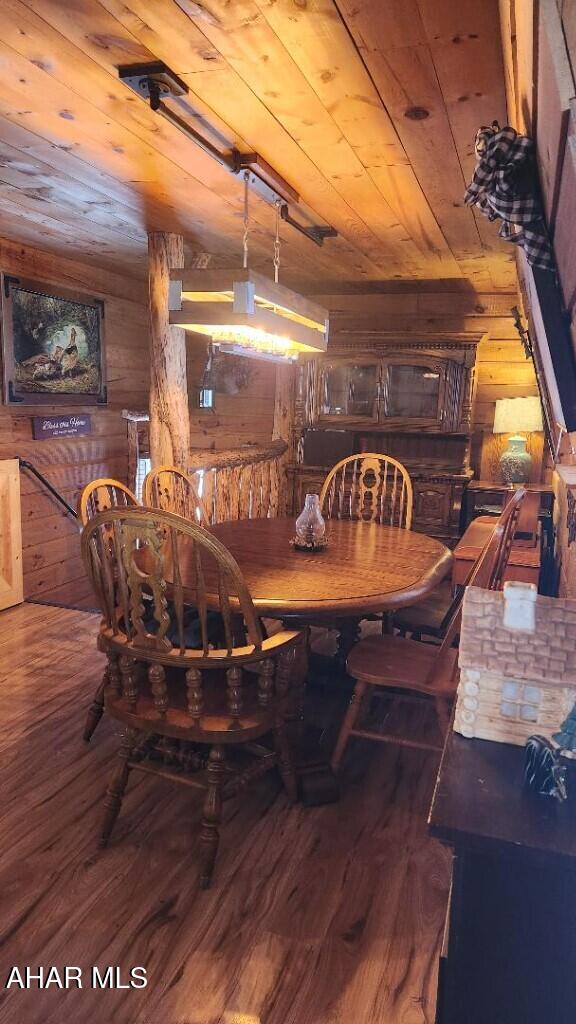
(512,416)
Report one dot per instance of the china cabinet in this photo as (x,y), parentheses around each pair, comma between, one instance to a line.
(405,397)
(409,390)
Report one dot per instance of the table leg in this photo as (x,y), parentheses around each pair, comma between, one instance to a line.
(348,637)
(387,623)
(316,782)
(298,677)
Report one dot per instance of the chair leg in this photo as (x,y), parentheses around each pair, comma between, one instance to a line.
(286,762)
(117,785)
(110,678)
(348,724)
(212,816)
(96,709)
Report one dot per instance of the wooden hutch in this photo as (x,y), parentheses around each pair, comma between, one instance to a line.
(406,396)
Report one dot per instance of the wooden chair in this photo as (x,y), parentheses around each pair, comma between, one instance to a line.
(369,487)
(98,496)
(396,663)
(430,618)
(172,490)
(185,700)
(103,494)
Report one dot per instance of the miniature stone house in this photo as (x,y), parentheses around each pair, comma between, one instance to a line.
(517,664)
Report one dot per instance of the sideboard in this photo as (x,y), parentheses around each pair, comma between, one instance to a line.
(403,396)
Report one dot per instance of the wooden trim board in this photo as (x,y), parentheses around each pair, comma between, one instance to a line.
(11,581)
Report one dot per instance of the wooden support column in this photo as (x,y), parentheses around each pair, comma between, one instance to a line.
(283,427)
(169,414)
(284,404)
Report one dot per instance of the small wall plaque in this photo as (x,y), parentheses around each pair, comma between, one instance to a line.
(44,427)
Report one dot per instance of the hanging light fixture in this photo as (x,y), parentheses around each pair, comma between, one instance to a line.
(244,312)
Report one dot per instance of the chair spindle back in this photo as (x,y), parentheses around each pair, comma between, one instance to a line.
(103,494)
(488,572)
(172,490)
(369,487)
(137,559)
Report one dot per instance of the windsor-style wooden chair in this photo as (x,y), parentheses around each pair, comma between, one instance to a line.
(103,494)
(429,618)
(98,496)
(172,490)
(180,687)
(368,487)
(393,662)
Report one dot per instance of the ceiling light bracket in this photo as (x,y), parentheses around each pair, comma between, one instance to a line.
(315,232)
(155,82)
(154,78)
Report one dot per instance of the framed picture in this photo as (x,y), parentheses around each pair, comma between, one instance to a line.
(52,345)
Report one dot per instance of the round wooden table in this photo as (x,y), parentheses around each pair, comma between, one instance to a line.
(365,568)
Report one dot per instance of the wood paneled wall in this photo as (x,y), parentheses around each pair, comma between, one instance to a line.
(52,567)
(51,555)
(241,418)
(502,368)
(51,551)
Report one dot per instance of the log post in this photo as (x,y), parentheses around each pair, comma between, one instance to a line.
(284,403)
(169,414)
(283,427)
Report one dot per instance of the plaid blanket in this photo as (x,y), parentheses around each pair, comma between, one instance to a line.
(504,188)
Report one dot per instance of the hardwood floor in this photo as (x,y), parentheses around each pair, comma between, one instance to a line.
(327,915)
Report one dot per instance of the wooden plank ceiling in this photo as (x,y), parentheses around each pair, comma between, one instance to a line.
(322,89)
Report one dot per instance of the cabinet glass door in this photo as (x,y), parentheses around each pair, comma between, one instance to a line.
(413,391)
(349,391)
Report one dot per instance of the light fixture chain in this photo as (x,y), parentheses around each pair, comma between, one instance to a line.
(276,259)
(246,222)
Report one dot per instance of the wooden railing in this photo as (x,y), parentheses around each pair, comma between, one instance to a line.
(241,483)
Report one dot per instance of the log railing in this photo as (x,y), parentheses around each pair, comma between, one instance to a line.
(241,483)
(236,483)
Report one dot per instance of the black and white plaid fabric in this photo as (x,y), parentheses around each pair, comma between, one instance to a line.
(503,188)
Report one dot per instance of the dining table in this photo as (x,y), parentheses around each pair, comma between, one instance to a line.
(366,567)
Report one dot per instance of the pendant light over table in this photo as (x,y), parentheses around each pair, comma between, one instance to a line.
(245,313)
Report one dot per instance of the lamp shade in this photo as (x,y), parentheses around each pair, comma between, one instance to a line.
(517,414)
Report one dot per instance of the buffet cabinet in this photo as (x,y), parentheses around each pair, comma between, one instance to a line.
(406,398)
(437,498)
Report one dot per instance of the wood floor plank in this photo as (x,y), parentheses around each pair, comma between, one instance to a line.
(316,916)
